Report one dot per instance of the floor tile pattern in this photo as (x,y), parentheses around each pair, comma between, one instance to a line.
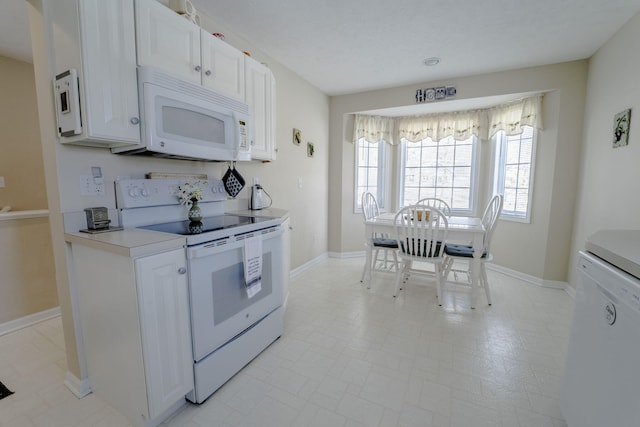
(350,356)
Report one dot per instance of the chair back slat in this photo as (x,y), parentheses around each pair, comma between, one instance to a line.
(421,231)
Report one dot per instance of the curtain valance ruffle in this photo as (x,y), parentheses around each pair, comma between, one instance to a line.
(460,125)
(373,129)
(511,117)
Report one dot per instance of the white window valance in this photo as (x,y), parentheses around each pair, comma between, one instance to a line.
(460,125)
(511,117)
(373,129)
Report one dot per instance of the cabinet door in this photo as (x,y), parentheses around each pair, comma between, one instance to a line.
(167,41)
(109,62)
(166,332)
(222,67)
(260,95)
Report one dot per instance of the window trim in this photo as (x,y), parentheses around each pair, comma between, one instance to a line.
(524,219)
(475,182)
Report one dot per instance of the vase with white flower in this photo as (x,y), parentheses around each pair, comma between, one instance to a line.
(189,194)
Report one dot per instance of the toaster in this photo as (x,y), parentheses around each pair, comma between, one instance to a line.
(97,218)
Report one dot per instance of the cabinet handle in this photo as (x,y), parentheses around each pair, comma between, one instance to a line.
(198,68)
(182,270)
(207,73)
(134,120)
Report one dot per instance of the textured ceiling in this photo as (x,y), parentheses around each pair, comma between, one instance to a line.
(349,46)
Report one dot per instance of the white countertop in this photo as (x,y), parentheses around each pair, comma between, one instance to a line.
(132,242)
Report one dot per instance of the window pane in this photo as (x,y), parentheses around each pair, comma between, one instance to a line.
(523,176)
(462,177)
(463,155)
(445,177)
(413,155)
(411,196)
(511,176)
(445,170)
(522,199)
(514,170)
(429,157)
(509,203)
(526,149)
(513,151)
(369,171)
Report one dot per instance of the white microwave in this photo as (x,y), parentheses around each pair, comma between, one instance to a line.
(182,120)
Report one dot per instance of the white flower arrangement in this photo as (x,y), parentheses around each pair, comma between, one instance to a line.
(189,192)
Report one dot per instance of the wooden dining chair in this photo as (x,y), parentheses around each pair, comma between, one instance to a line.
(455,252)
(421,232)
(436,203)
(379,242)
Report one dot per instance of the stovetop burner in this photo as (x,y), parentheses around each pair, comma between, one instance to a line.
(208,224)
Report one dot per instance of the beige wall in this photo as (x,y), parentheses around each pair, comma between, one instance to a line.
(539,249)
(299,105)
(21,159)
(27,283)
(609,177)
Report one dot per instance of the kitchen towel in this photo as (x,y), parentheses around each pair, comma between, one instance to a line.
(253,265)
(4,391)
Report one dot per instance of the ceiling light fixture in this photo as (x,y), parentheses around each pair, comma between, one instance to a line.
(430,62)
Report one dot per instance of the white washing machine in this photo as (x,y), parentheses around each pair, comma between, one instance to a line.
(602,372)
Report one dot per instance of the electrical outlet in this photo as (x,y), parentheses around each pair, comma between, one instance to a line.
(1,181)
(88,187)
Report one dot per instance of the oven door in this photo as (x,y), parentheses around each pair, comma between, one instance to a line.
(220,307)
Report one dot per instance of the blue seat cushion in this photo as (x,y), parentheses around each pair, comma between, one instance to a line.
(460,250)
(383,242)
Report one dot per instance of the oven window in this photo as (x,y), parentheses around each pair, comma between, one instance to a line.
(229,292)
(192,124)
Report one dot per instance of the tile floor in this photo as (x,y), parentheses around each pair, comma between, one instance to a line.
(350,356)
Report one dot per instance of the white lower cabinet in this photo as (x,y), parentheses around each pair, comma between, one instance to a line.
(166,334)
(134,316)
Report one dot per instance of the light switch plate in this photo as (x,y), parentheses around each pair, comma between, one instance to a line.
(1,181)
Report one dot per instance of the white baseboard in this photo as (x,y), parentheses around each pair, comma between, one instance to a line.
(80,388)
(32,319)
(307,265)
(345,255)
(556,284)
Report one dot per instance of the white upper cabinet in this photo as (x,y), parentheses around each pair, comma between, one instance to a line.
(222,67)
(95,38)
(167,41)
(172,43)
(260,95)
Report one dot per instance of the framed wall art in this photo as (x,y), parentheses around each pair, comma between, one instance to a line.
(297,136)
(621,122)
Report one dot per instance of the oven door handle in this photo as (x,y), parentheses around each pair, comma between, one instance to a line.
(230,243)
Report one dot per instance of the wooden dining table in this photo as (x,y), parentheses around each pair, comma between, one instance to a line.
(462,229)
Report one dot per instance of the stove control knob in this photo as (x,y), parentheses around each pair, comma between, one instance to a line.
(132,192)
(144,192)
